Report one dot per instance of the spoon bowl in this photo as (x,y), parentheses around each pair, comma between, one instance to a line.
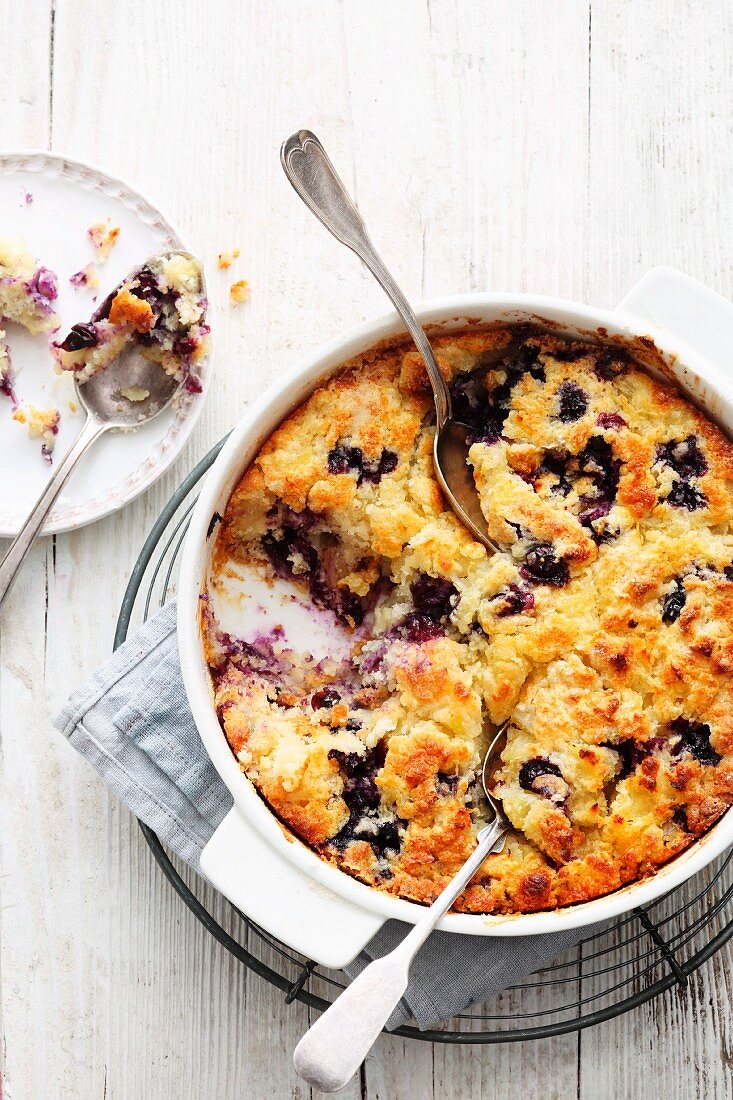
(102,396)
(455,477)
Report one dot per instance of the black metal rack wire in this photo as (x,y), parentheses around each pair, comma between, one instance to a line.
(638,957)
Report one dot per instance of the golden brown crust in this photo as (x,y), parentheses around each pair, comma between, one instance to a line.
(126,309)
(605,631)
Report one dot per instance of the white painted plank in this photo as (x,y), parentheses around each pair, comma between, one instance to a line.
(24,109)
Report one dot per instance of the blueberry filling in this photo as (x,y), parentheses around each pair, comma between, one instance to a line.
(294,557)
(43,285)
(684,495)
(434,597)
(680,819)
(325,698)
(362,798)
(258,658)
(540,776)
(694,738)
(185,346)
(417,628)
(360,792)
(446,784)
(146,285)
(344,460)
(684,457)
(632,752)
(542,566)
(572,402)
(485,411)
(513,601)
(557,463)
(611,420)
(590,515)
(470,405)
(673,603)
(80,336)
(192,384)
(596,461)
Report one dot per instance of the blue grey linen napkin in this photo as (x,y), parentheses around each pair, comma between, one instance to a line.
(131,720)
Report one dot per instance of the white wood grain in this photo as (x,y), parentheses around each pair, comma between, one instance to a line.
(533,145)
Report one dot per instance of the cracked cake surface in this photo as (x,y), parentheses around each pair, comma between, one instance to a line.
(604,631)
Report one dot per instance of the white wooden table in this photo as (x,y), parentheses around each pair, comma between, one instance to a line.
(512,145)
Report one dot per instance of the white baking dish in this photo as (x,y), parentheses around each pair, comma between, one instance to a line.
(266,872)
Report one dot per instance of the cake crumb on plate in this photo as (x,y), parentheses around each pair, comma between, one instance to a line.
(103,239)
(87,277)
(42,424)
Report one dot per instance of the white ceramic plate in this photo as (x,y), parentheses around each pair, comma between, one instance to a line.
(67,197)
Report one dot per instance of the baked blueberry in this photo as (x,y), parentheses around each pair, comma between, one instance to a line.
(80,336)
(572,402)
(685,495)
(434,597)
(541,776)
(611,420)
(673,602)
(543,566)
(694,738)
(325,698)
(513,601)
(683,456)
(343,459)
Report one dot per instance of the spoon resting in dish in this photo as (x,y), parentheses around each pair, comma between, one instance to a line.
(311,173)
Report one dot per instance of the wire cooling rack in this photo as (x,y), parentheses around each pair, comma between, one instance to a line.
(633,960)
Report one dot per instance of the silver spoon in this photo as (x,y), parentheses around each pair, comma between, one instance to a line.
(106,410)
(314,178)
(330,1053)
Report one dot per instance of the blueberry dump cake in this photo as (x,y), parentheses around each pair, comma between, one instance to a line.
(604,630)
(162,308)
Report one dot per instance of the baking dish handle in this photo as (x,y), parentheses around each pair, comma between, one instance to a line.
(273,893)
(688,310)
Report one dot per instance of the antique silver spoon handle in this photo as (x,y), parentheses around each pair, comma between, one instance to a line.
(330,1053)
(314,178)
(25,538)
